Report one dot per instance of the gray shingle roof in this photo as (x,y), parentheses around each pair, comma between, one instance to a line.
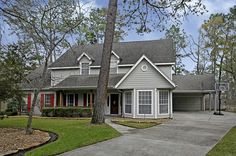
(35,78)
(194,82)
(86,81)
(159,51)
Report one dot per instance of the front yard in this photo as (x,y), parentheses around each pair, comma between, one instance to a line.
(72,133)
(226,146)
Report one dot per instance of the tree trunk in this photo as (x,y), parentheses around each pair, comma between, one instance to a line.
(101,96)
(29,129)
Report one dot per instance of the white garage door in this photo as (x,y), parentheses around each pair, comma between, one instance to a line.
(186,103)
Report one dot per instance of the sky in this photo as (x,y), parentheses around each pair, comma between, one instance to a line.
(191,23)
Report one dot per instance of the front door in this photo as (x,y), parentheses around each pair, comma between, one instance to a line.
(114,103)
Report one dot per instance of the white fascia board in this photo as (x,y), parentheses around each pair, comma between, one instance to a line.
(153,65)
(83,54)
(115,54)
(72,67)
(170,63)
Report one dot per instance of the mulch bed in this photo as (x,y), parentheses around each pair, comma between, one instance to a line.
(13,140)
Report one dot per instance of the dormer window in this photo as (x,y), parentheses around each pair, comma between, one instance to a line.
(84,69)
(113,67)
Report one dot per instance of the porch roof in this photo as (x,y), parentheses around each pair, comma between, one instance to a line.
(86,81)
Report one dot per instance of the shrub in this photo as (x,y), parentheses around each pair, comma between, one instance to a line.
(67,112)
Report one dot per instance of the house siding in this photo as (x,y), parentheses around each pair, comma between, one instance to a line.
(58,75)
(140,79)
(167,70)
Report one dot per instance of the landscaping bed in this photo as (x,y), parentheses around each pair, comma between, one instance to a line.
(12,140)
(72,133)
(138,123)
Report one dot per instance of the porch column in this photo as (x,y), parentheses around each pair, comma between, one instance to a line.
(134,103)
(171,104)
(210,101)
(60,99)
(91,98)
(203,103)
(214,99)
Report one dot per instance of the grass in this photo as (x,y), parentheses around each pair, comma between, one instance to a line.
(226,146)
(138,123)
(72,133)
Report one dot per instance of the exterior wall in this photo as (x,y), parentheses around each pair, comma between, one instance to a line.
(187,102)
(167,70)
(141,79)
(59,75)
(94,71)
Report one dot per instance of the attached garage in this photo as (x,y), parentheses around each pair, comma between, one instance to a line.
(191,92)
(187,102)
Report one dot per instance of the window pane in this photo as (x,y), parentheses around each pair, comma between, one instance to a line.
(163,101)
(70,99)
(145,102)
(127,108)
(85,68)
(128,102)
(47,101)
(145,109)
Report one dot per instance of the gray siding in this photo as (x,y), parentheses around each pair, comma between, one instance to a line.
(167,70)
(140,79)
(123,70)
(187,102)
(94,71)
(59,75)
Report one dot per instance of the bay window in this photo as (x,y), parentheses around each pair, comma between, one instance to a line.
(145,102)
(163,101)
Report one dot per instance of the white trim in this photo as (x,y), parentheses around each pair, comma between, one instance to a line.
(155,103)
(115,55)
(138,102)
(131,101)
(193,91)
(72,67)
(171,104)
(171,63)
(95,66)
(168,97)
(155,67)
(83,54)
(125,65)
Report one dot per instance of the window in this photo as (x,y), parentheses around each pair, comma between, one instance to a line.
(88,99)
(70,99)
(128,102)
(163,102)
(145,102)
(84,68)
(113,67)
(47,100)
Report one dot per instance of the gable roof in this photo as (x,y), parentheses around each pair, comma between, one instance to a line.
(153,65)
(83,54)
(85,81)
(159,51)
(194,83)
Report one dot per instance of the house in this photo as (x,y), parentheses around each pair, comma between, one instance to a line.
(141,82)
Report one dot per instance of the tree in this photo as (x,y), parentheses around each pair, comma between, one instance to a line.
(48,25)
(95,26)
(179,39)
(144,14)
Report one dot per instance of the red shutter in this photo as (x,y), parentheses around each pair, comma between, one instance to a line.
(42,101)
(85,100)
(29,102)
(52,100)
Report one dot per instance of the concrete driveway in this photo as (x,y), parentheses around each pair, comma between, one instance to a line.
(188,134)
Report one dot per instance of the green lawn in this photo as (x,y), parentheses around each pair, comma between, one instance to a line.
(226,146)
(72,133)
